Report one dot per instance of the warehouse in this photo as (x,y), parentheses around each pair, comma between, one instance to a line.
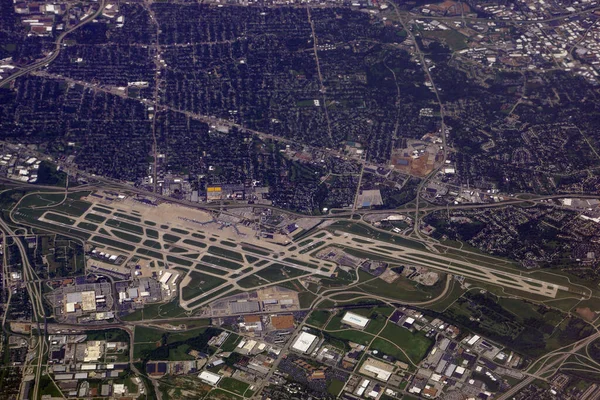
(304,342)
(241,307)
(355,320)
(209,377)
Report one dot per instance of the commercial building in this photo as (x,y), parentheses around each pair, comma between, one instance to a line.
(209,378)
(241,307)
(473,340)
(280,322)
(304,342)
(377,369)
(355,320)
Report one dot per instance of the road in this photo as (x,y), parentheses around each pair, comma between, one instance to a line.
(423,63)
(547,367)
(58,45)
(32,284)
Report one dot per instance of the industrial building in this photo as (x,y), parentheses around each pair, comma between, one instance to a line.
(355,320)
(241,307)
(209,378)
(304,342)
(377,369)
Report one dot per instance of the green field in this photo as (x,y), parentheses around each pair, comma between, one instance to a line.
(206,268)
(113,243)
(454,39)
(194,243)
(157,311)
(402,288)
(152,233)
(386,348)
(352,335)
(150,253)
(102,210)
(219,394)
(126,236)
(318,318)
(301,263)
(199,284)
(252,281)
(59,218)
(143,334)
(233,385)
(87,226)
(221,262)
(277,272)
(179,261)
(211,296)
(335,386)
(126,226)
(167,237)
(127,216)
(416,345)
(221,252)
(94,218)
(254,250)
(152,243)
(72,206)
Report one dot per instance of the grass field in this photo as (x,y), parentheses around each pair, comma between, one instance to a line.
(277,272)
(385,347)
(221,252)
(126,236)
(87,226)
(454,39)
(102,210)
(221,262)
(219,394)
(167,237)
(212,296)
(113,243)
(335,386)
(126,226)
(94,218)
(199,284)
(256,251)
(152,243)
(401,289)
(363,230)
(152,233)
(231,342)
(233,385)
(127,216)
(59,218)
(415,344)
(194,243)
(179,261)
(206,268)
(157,311)
(353,336)
(318,318)
(150,253)
(251,281)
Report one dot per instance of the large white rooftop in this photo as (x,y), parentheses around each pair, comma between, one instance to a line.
(209,377)
(354,319)
(303,342)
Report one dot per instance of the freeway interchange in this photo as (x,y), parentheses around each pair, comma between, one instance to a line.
(202,239)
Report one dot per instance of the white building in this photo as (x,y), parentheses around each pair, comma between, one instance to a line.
(355,320)
(209,377)
(304,342)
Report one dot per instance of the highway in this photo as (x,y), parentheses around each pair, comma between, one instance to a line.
(58,45)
